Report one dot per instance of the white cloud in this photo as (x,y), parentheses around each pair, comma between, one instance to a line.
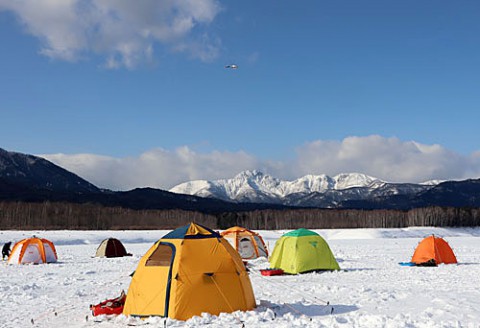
(386,158)
(389,159)
(155,168)
(125,32)
(204,48)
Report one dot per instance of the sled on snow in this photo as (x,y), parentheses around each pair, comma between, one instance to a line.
(110,306)
(271,272)
(429,263)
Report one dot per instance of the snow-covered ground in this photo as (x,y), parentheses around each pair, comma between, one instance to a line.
(371,290)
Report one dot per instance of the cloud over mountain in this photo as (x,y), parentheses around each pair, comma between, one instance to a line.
(389,159)
(125,32)
(155,168)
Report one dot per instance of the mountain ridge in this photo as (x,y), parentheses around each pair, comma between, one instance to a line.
(27,178)
(309,190)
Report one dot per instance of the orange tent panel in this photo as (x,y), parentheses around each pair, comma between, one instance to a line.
(248,244)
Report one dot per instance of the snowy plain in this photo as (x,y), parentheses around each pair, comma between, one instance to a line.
(371,290)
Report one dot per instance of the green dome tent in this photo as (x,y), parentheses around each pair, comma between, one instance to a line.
(302,250)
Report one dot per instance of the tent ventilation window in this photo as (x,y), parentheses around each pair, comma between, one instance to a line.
(162,256)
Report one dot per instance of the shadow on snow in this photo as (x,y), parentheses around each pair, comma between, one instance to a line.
(310,310)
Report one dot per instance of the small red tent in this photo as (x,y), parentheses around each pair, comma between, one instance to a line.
(434,250)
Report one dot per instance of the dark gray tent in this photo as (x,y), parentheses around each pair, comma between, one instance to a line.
(111,247)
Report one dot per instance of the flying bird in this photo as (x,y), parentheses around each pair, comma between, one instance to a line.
(232,66)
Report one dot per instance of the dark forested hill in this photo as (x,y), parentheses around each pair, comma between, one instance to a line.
(448,194)
(36,173)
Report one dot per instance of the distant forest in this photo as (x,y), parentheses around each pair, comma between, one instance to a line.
(59,215)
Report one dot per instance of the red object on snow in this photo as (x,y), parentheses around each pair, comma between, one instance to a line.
(271,272)
(110,306)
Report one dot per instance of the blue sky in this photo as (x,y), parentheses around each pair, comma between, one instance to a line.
(118,81)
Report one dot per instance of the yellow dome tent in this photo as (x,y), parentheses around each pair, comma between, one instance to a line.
(302,250)
(189,271)
(249,244)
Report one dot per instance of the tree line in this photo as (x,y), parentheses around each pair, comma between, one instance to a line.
(62,215)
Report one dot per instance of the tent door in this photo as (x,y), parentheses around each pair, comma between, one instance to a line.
(32,254)
(161,261)
(246,248)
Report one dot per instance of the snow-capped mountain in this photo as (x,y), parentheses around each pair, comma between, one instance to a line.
(310,190)
(257,186)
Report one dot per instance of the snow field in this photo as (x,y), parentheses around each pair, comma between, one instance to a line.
(371,290)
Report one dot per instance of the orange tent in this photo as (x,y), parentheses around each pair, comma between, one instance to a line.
(249,244)
(33,250)
(433,250)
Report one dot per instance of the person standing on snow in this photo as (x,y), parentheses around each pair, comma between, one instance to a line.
(6,250)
